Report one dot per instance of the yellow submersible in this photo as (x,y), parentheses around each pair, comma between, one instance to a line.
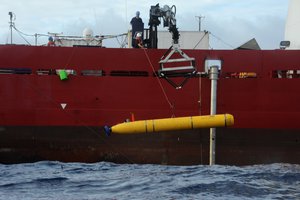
(171,124)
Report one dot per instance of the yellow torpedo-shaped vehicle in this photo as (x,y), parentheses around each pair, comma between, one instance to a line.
(172,124)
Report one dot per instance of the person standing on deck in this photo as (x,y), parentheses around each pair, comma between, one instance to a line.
(136,19)
(137,28)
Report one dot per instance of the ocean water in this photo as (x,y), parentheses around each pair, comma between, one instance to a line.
(55,180)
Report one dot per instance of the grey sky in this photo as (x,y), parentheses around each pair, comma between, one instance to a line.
(232,21)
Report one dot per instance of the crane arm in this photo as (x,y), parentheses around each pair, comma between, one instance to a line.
(170,66)
(168,15)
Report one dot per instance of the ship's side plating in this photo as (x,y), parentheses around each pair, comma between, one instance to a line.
(44,118)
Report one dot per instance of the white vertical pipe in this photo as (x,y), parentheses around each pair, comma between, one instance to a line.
(213,76)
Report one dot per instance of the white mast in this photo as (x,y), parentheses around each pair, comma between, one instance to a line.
(292,27)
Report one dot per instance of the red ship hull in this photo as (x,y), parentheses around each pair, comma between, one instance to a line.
(44,118)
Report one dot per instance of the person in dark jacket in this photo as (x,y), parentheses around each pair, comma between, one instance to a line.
(137,28)
(136,19)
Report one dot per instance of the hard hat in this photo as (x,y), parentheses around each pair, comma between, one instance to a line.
(50,38)
(138,35)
